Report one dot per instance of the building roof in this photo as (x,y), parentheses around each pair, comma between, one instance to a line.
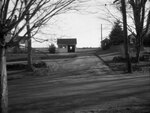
(71,41)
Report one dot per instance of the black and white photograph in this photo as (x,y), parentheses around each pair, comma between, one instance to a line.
(75,56)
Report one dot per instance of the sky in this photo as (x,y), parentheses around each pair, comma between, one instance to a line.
(85,25)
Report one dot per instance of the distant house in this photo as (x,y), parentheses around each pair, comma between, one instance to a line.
(144,48)
(146,38)
(67,45)
(19,47)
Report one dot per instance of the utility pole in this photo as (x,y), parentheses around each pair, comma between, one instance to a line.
(101,32)
(128,63)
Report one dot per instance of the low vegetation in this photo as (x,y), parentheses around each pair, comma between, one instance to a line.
(21,66)
(37,56)
(113,58)
(52,49)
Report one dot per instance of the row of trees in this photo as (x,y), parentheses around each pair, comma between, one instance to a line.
(21,20)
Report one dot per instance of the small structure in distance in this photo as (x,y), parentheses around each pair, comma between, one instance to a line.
(67,45)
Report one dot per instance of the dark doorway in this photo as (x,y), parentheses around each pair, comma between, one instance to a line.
(71,48)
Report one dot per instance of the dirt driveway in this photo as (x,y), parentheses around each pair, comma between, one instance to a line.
(80,85)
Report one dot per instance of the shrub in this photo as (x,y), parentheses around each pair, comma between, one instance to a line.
(40,64)
(133,59)
(105,44)
(52,49)
(16,67)
(119,59)
(116,34)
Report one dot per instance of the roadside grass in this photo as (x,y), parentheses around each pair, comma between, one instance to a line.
(113,49)
(122,106)
(42,53)
(40,64)
(23,57)
(119,66)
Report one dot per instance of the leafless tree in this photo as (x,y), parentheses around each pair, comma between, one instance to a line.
(44,15)
(15,15)
(141,21)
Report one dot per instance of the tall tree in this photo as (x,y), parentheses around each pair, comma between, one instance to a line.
(116,34)
(123,11)
(139,17)
(13,15)
(138,7)
(126,36)
(29,43)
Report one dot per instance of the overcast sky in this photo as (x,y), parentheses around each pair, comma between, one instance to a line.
(84,25)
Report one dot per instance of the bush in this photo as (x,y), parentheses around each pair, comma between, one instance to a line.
(105,44)
(133,59)
(119,59)
(16,67)
(40,64)
(116,35)
(52,49)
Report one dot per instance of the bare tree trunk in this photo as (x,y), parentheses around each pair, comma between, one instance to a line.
(16,49)
(138,48)
(129,68)
(4,87)
(30,67)
(138,54)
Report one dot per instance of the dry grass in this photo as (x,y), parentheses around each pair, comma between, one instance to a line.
(120,66)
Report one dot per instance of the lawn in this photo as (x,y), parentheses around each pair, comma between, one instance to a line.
(42,53)
(78,85)
(109,57)
(83,84)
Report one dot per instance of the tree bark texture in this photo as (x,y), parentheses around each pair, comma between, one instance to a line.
(30,54)
(30,67)
(4,87)
(138,47)
(128,63)
(139,16)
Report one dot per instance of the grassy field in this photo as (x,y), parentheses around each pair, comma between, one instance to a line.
(42,53)
(78,85)
(106,55)
(83,84)
(119,65)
